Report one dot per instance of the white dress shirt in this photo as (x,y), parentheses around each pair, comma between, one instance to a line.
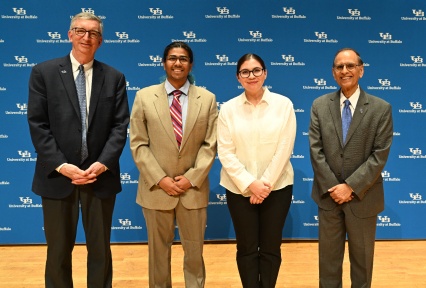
(353,99)
(256,142)
(88,72)
(183,99)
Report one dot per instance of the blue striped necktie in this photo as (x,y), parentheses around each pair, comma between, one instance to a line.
(80,83)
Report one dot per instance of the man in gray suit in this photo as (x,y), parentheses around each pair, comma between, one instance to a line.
(349,146)
(173,143)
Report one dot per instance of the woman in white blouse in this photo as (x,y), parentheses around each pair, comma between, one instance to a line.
(256,133)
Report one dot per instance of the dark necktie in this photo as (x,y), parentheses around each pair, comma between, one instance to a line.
(80,83)
(346,119)
(176,114)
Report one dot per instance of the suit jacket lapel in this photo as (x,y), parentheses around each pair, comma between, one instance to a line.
(98,78)
(161,104)
(334,107)
(67,76)
(194,107)
(359,113)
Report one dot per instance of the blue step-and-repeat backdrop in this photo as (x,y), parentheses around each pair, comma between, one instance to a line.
(297,40)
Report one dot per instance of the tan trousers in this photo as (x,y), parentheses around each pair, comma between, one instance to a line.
(161,232)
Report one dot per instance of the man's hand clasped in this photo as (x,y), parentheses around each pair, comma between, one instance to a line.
(82,177)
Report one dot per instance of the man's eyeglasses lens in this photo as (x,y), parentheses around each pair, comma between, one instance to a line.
(256,72)
(182,59)
(349,67)
(81,32)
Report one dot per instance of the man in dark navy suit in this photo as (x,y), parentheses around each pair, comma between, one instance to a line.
(78,151)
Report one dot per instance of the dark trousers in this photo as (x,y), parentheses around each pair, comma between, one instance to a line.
(258,230)
(60,227)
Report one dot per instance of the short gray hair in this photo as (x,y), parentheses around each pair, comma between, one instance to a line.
(87,16)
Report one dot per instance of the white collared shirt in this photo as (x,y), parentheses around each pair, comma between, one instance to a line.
(256,142)
(88,71)
(183,99)
(353,99)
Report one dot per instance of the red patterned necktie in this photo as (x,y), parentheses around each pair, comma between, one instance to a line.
(176,114)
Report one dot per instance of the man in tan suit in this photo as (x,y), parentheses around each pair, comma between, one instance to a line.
(174,161)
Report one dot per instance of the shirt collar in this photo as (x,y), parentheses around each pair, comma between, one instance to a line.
(75,64)
(353,98)
(169,87)
(265,98)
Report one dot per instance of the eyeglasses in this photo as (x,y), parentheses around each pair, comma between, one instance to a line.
(349,67)
(93,34)
(182,59)
(246,73)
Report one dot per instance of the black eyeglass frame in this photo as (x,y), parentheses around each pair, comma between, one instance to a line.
(93,34)
(174,59)
(255,71)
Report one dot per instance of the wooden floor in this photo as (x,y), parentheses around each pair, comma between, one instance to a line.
(397,264)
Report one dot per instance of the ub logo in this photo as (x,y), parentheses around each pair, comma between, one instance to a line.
(354,12)
(22,107)
(125,222)
(288,58)
(384,82)
(21,59)
(384,219)
(289,11)
(26,200)
(122,35)
(385,36)
(221,197)
(222,58)
(416,105)
(416,196)
(222,11)
(88,10)
(256,34)
(54,35)
(320,82)
(189,34)
(155,59)
(385,174)
(156,11)
(416,151)
(417,59)
(125,176)
(24,154)
(418,13)
(321,35)
(19,11)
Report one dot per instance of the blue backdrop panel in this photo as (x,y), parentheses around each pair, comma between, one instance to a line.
(297,40)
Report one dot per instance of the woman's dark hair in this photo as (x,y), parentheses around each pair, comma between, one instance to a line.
(178,44)
(248,56)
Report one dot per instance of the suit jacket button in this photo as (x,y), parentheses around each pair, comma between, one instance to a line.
(179,156)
